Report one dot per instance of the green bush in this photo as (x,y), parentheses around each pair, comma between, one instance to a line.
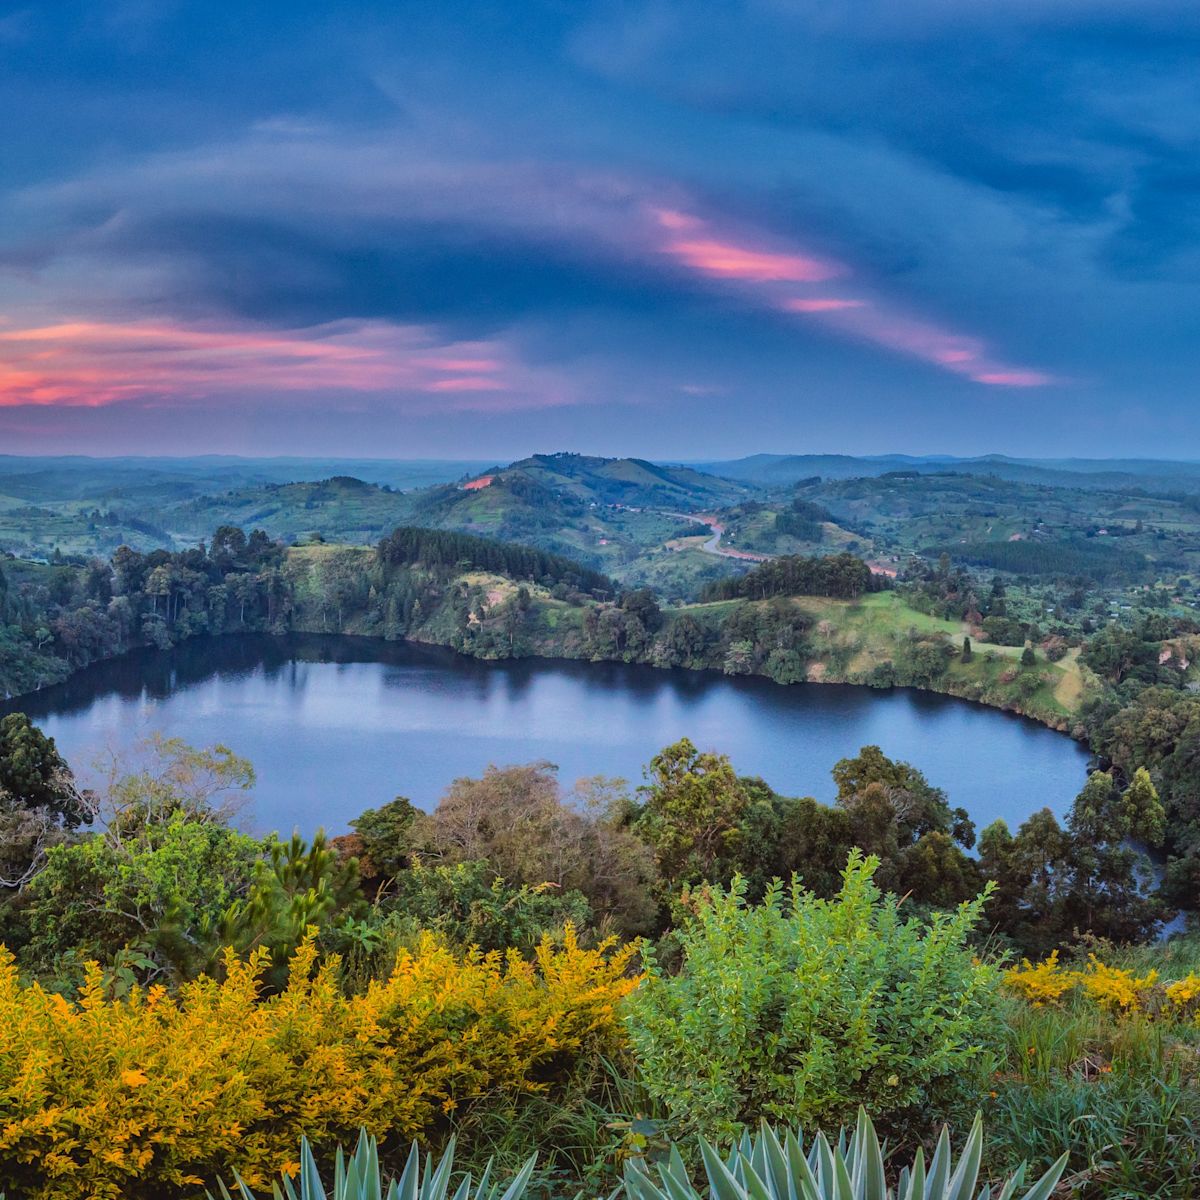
(470,905)
(801,1008)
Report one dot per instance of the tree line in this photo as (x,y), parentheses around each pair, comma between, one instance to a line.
(837,576)
(163,880)
(413,545)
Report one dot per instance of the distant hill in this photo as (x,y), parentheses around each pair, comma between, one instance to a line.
(342,508)
(68,477)
(605,512)
(1115,473)
(630,481)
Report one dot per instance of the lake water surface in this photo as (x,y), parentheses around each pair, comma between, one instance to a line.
(337,725)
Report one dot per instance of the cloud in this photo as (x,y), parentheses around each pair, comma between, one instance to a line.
(766,274)
(95,364)
(381,237)
(909,204)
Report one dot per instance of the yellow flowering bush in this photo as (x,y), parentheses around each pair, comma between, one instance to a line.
(1184,995)
(1041,983)
(1115,988)
(157,1095)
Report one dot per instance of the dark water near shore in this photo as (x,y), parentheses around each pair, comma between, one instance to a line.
(336,725)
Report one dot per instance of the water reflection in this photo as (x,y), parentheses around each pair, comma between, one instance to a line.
(336,725)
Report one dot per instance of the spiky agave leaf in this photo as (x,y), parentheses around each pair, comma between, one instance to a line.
(766,1167)
(358,1177)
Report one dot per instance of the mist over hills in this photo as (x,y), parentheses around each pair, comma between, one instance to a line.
(784,469)
(65,477)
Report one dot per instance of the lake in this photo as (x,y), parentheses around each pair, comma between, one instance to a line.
(336,725)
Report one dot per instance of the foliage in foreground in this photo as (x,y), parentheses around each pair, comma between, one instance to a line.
(764,1167)
(358,1177)
(1120,1090)
(807,1008)
(149,1096)
(768,1167)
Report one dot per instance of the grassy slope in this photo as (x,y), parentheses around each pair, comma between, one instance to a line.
(853,637)
(850,639)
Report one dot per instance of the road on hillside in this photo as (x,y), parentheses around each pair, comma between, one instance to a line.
(713,543)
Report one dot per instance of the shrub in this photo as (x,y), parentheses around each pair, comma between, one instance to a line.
(1119,990)
(1040,983)
(806,1008)
(469,905)
(1116,988)
(148,1096)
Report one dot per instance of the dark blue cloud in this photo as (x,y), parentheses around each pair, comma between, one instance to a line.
(1021,178)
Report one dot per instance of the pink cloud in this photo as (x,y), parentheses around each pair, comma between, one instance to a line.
(671,218)
(769,274)
(97,363)
(944,348)
(1014,378)
(820,304)
(469,383)
(730,261)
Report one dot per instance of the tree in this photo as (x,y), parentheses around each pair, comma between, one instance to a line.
(692,816)
(935,872)
(895,814)
(1031,874)
(920,807)
(470,905)
(1116,653)
(643,604)
(162,776)
(813,843)
(1028,657)
(35,776)
(518,821)
(161,893)
(385,837)
(966,650)
(228,546)
(26,836)
(1110,881)
(296,886)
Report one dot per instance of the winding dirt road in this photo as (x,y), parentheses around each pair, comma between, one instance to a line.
(713,544)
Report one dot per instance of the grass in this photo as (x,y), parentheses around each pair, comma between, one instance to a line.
(1121,1092)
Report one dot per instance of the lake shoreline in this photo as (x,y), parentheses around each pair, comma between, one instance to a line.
(1063,725)
(337,723)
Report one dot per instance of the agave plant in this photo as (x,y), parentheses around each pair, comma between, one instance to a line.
(358,1178)
(767,1168)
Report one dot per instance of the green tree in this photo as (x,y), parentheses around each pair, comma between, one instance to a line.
(692,816)
(35,776)
(920,807)
(295,887)
(161,892)
(471,905)
(1111,882)
(386,838)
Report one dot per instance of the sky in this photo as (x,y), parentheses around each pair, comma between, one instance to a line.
(669,228)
